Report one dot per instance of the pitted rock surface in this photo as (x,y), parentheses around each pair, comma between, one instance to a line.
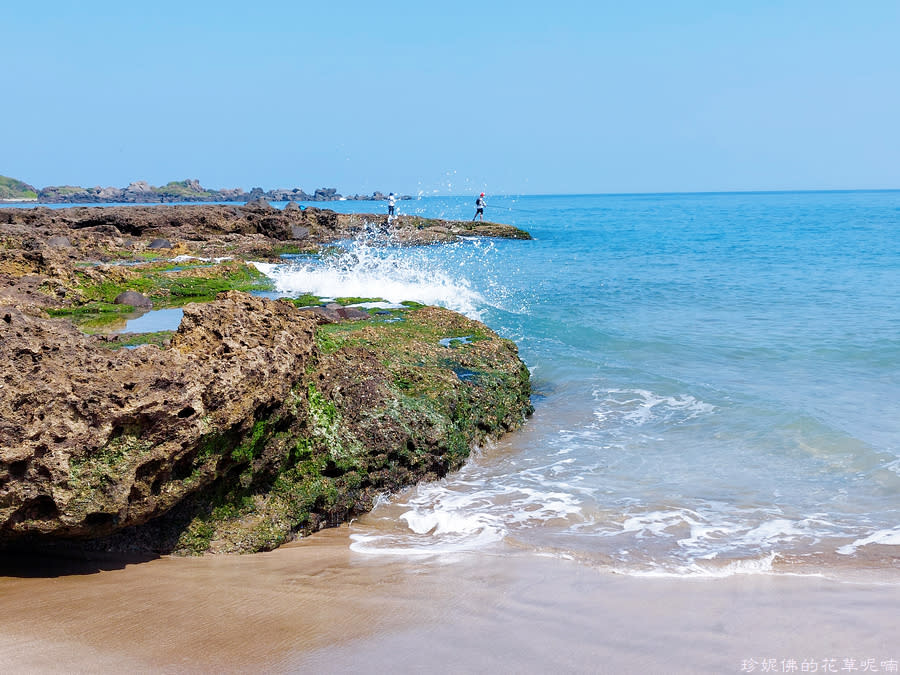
(67,406)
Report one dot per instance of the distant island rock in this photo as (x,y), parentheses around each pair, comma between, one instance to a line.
(12,190)
(141,192)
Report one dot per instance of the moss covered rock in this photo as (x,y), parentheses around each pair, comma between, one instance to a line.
(255,424)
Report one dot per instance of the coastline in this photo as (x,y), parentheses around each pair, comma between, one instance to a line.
(324,608)
(314,605)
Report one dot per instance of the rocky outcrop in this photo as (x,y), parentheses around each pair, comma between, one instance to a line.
(93,440)
(253,229)
(78,260)
(253,425)
(255,421)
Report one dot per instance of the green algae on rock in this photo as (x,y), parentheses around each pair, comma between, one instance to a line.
(92,291)
(257,420)
(75,261)
(378,409)
(256,424)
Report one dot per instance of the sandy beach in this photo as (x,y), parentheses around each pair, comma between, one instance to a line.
(315,606)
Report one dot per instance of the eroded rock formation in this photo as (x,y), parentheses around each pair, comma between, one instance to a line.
(253,425)
(92,440)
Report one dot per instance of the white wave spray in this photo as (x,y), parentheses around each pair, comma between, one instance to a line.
(429,275)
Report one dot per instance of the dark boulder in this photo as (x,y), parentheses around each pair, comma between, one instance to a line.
(134,299)
(345,313)
(259,205)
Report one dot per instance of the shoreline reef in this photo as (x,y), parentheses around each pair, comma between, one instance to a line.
(255,422)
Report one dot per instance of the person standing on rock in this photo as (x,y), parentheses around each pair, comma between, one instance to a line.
(479,208)
(392,202)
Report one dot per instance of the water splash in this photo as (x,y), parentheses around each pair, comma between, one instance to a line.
(357,268)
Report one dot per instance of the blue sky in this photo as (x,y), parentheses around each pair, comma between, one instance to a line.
(453,98)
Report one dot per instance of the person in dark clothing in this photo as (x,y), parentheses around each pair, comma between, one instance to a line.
(479,208)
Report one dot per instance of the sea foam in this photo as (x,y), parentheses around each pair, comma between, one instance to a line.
(885,537)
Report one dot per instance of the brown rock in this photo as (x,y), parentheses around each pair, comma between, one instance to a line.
(215,229)
(59,242)
(134,299)
(92,440)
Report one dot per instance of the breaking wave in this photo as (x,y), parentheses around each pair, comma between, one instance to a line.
(355,268)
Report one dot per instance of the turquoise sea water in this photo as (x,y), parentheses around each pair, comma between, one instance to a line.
(717,379)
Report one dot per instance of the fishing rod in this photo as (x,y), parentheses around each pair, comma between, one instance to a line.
(508,208)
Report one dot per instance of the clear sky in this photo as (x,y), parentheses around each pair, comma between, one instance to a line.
(454,97)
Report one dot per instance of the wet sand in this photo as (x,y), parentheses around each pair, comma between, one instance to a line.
(317,607)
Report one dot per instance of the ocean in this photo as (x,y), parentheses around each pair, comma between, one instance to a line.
(716,380)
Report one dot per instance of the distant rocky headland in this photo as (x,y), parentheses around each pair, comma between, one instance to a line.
(257,420)
(141,192)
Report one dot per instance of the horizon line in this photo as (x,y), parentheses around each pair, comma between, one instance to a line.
(677,192)
(650,193)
